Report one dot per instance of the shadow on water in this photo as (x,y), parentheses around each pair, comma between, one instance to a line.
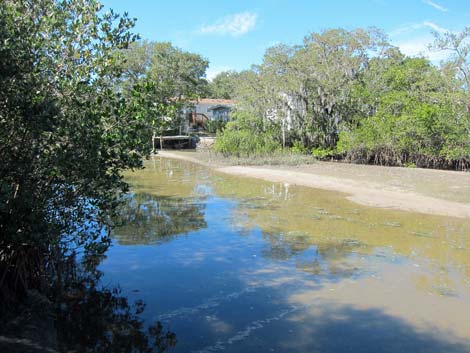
(331,328)
(95,318)
(86,317)
(321,326)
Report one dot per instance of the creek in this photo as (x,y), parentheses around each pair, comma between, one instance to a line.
(241,265)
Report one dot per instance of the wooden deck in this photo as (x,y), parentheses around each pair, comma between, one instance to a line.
(184,139)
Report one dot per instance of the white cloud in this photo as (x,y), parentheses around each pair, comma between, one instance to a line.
(436,6)
(417,26)
(212,72)
(234,25)
(414,40)
(435,27)
(419,46)
(415,46)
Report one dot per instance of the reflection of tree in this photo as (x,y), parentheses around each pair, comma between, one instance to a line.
(284,246)
(329,257)
(95,319)
(148,219)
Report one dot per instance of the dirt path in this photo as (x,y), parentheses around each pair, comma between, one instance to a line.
(418,190)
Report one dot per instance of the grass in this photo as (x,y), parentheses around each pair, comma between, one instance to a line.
(276,158)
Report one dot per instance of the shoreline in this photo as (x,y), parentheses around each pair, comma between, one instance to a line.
(372,194)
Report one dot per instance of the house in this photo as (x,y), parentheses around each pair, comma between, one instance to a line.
(193,117)
(206,109)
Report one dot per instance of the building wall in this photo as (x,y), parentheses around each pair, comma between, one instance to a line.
(221,113)
(202,108)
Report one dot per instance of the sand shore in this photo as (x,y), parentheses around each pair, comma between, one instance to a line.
(435,192)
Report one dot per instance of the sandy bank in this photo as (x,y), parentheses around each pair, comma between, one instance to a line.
(367,189)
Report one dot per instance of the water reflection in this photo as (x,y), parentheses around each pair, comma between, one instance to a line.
(149,219)
(274,267)
(332,260)
(296,218)
(94,318)
(85,316)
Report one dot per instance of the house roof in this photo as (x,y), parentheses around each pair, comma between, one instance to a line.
(214,101)
(219,106)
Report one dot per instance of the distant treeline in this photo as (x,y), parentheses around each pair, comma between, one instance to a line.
(352,95)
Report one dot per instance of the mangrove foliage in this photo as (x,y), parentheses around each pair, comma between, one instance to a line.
(352,95)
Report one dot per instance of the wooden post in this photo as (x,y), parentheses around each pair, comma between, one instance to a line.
(283,133)
(153,142)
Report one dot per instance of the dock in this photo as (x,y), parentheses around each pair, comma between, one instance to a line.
(181,140)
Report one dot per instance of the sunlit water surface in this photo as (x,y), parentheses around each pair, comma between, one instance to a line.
(241,265)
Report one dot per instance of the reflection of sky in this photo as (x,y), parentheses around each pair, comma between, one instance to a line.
(238,286)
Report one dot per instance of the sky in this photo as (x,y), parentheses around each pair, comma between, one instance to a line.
(234,34)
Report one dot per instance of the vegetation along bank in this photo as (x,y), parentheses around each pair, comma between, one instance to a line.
(351,95)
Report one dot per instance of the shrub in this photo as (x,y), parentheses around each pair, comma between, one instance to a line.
(245,136)
(323,153)
(422,135)
(213,126)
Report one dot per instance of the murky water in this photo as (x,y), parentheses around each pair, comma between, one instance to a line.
(241,265)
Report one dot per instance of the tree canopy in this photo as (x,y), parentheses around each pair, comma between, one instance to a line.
(66,134)
(167,76)
(351,94)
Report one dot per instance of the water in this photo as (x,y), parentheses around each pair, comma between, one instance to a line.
(240,265)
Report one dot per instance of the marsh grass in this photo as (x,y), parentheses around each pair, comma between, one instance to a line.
(275,158)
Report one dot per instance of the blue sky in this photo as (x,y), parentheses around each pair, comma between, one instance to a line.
(233,34)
